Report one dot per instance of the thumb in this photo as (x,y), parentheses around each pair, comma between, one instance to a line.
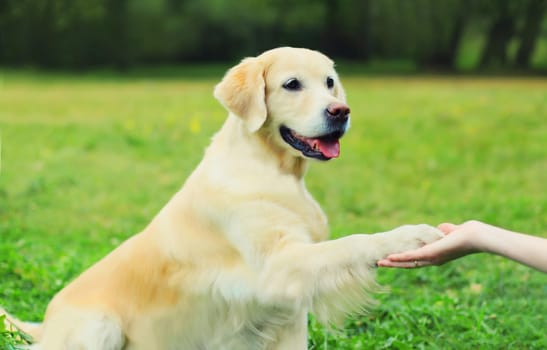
(447,227)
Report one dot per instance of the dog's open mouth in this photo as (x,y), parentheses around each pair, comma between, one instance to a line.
(322,147)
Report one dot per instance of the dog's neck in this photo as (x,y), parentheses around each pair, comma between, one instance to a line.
(260,145)
(285,160)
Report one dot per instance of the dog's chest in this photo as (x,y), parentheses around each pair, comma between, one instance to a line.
(256,329)
(314,219)
(210,326)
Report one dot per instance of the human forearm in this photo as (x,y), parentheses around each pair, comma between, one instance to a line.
(526,249)
(473,237)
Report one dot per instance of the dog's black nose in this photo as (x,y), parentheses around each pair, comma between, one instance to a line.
(338,111)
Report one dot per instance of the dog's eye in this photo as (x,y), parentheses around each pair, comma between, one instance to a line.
(292,84)
(330,82)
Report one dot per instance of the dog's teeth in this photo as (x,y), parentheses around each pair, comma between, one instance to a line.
(315,145)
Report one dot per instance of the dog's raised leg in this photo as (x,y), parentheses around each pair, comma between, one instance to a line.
(332,277)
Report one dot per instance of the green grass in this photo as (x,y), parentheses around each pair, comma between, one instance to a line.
(88,160)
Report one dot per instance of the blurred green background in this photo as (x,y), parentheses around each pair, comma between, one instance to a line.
(456,35)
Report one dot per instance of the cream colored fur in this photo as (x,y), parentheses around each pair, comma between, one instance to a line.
(238,257)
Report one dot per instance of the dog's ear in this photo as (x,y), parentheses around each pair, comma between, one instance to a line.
(242,92)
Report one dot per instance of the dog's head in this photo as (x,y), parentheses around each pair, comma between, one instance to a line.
(294,96)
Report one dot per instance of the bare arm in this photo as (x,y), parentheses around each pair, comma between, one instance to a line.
(473,237)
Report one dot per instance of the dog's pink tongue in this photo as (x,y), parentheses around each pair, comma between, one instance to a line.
(330,148)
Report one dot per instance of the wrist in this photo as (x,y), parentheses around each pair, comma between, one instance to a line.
(490,239)
(482,237)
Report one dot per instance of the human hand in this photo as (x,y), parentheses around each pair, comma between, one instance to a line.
(459,240)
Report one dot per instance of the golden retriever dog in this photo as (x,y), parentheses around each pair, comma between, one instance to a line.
(238,257)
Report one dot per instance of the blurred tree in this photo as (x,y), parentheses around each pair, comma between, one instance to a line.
(42,32)
(117,25)
(448,23)
(499,35)
(528,36)
(85,33)
(439,27)
(331,26)
(346,29)
(298,23)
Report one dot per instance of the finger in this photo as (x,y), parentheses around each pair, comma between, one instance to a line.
(390,263)
(404,264)
(447,227)
(428,252)
(423,253)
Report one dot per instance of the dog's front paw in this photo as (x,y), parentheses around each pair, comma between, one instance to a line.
(423,234)
(409,237)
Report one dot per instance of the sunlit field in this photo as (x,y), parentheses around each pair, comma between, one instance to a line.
(87,161)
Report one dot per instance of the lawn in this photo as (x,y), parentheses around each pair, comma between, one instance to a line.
(87,160)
